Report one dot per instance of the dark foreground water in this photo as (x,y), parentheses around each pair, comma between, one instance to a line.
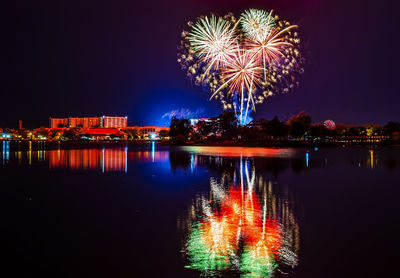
(158,211)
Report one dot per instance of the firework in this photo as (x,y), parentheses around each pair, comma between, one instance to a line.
(241,75)
(329,124)
(257,24)
(242,62)
(269,48)
(213,40)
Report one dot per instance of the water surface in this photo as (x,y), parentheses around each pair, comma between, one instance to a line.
(158,211)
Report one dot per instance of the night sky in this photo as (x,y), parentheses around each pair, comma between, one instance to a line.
(83,58)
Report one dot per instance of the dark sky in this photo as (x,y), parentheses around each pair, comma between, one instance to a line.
(63,58)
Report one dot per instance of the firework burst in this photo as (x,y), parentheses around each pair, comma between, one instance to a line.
(213,40)
(244,61)
(270,47)
(241,75)
(257,24)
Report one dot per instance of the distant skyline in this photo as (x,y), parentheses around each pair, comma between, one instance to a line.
(82,58)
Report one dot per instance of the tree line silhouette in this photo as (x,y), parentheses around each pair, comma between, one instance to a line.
(299,127)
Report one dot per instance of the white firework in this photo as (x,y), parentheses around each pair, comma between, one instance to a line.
(257,24)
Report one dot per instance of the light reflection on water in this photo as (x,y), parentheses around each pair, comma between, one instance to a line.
(106,159)
(239,151)
(6,151)
(250,212)
(116,158)
(242,225)
(103,159)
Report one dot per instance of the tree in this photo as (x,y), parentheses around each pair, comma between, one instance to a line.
(114,136)
(373,129)
(341,129)
(180,129)
(319,130)
(163,133)
(133,133)
(54,134)
(391,127)
(23,133)
(356,131)
(204,128)
(275,128)
(352,131)
(72,133)
(297,129)
(44,132)
(244,133)
(299,124)
(228,123)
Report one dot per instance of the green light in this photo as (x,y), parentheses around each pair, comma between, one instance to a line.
(201,257)
(253,266)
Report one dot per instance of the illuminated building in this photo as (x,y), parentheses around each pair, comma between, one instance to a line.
(193,122)
(149,132)
(58,122)
(216,122)
(108,121)
(75,122)
(152,132)
(84,122)
(87,122)
(104,133)
(5,136)
(395,136)
(91,122)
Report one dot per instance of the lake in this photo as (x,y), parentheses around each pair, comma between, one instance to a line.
(147,210)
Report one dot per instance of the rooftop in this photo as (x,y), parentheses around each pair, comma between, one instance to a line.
(102,131)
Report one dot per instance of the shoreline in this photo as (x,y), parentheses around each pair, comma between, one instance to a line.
(49,145)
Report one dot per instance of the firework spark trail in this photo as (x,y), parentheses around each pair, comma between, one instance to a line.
(213,40)
(244,61)
(240,76)
(257,24)
(248,103)
(269,48)
(241,73)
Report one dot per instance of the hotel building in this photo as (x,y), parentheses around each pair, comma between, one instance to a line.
(87,122)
